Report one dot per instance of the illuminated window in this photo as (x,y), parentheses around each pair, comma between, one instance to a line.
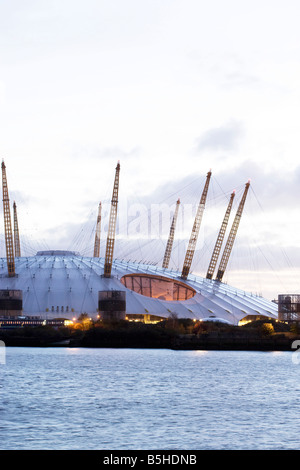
(158,287)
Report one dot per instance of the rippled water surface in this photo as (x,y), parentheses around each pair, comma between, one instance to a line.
(64,398)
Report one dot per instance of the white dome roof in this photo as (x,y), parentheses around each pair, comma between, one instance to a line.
(65,283)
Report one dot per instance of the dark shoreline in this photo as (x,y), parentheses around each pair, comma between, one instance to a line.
(182,336)
(176,343)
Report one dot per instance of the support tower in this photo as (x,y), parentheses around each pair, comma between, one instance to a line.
(7,226)
(97,234)
(16,233)
(110,242)
(169,246)
(218,245)
(195,231)
(232,235)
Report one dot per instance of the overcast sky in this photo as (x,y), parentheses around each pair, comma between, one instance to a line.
(171,88)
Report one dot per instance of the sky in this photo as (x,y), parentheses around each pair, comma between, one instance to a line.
(171,89)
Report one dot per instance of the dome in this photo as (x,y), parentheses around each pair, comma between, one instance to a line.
(63,283)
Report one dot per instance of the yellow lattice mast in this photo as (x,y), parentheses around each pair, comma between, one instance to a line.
(110,242)
(16,233)
(10,258)
(195,231)
(232,235)
(218,245)
(97,234)
(169,246)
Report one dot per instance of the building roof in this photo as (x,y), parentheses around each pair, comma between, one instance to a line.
(66,283)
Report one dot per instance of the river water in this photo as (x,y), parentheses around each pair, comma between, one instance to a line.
(67,398)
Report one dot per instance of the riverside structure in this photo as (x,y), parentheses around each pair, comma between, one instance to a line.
(58,283)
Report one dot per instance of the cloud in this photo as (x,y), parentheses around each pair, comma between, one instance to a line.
(224,138)
(239,79)
(95,152)
(274,190)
